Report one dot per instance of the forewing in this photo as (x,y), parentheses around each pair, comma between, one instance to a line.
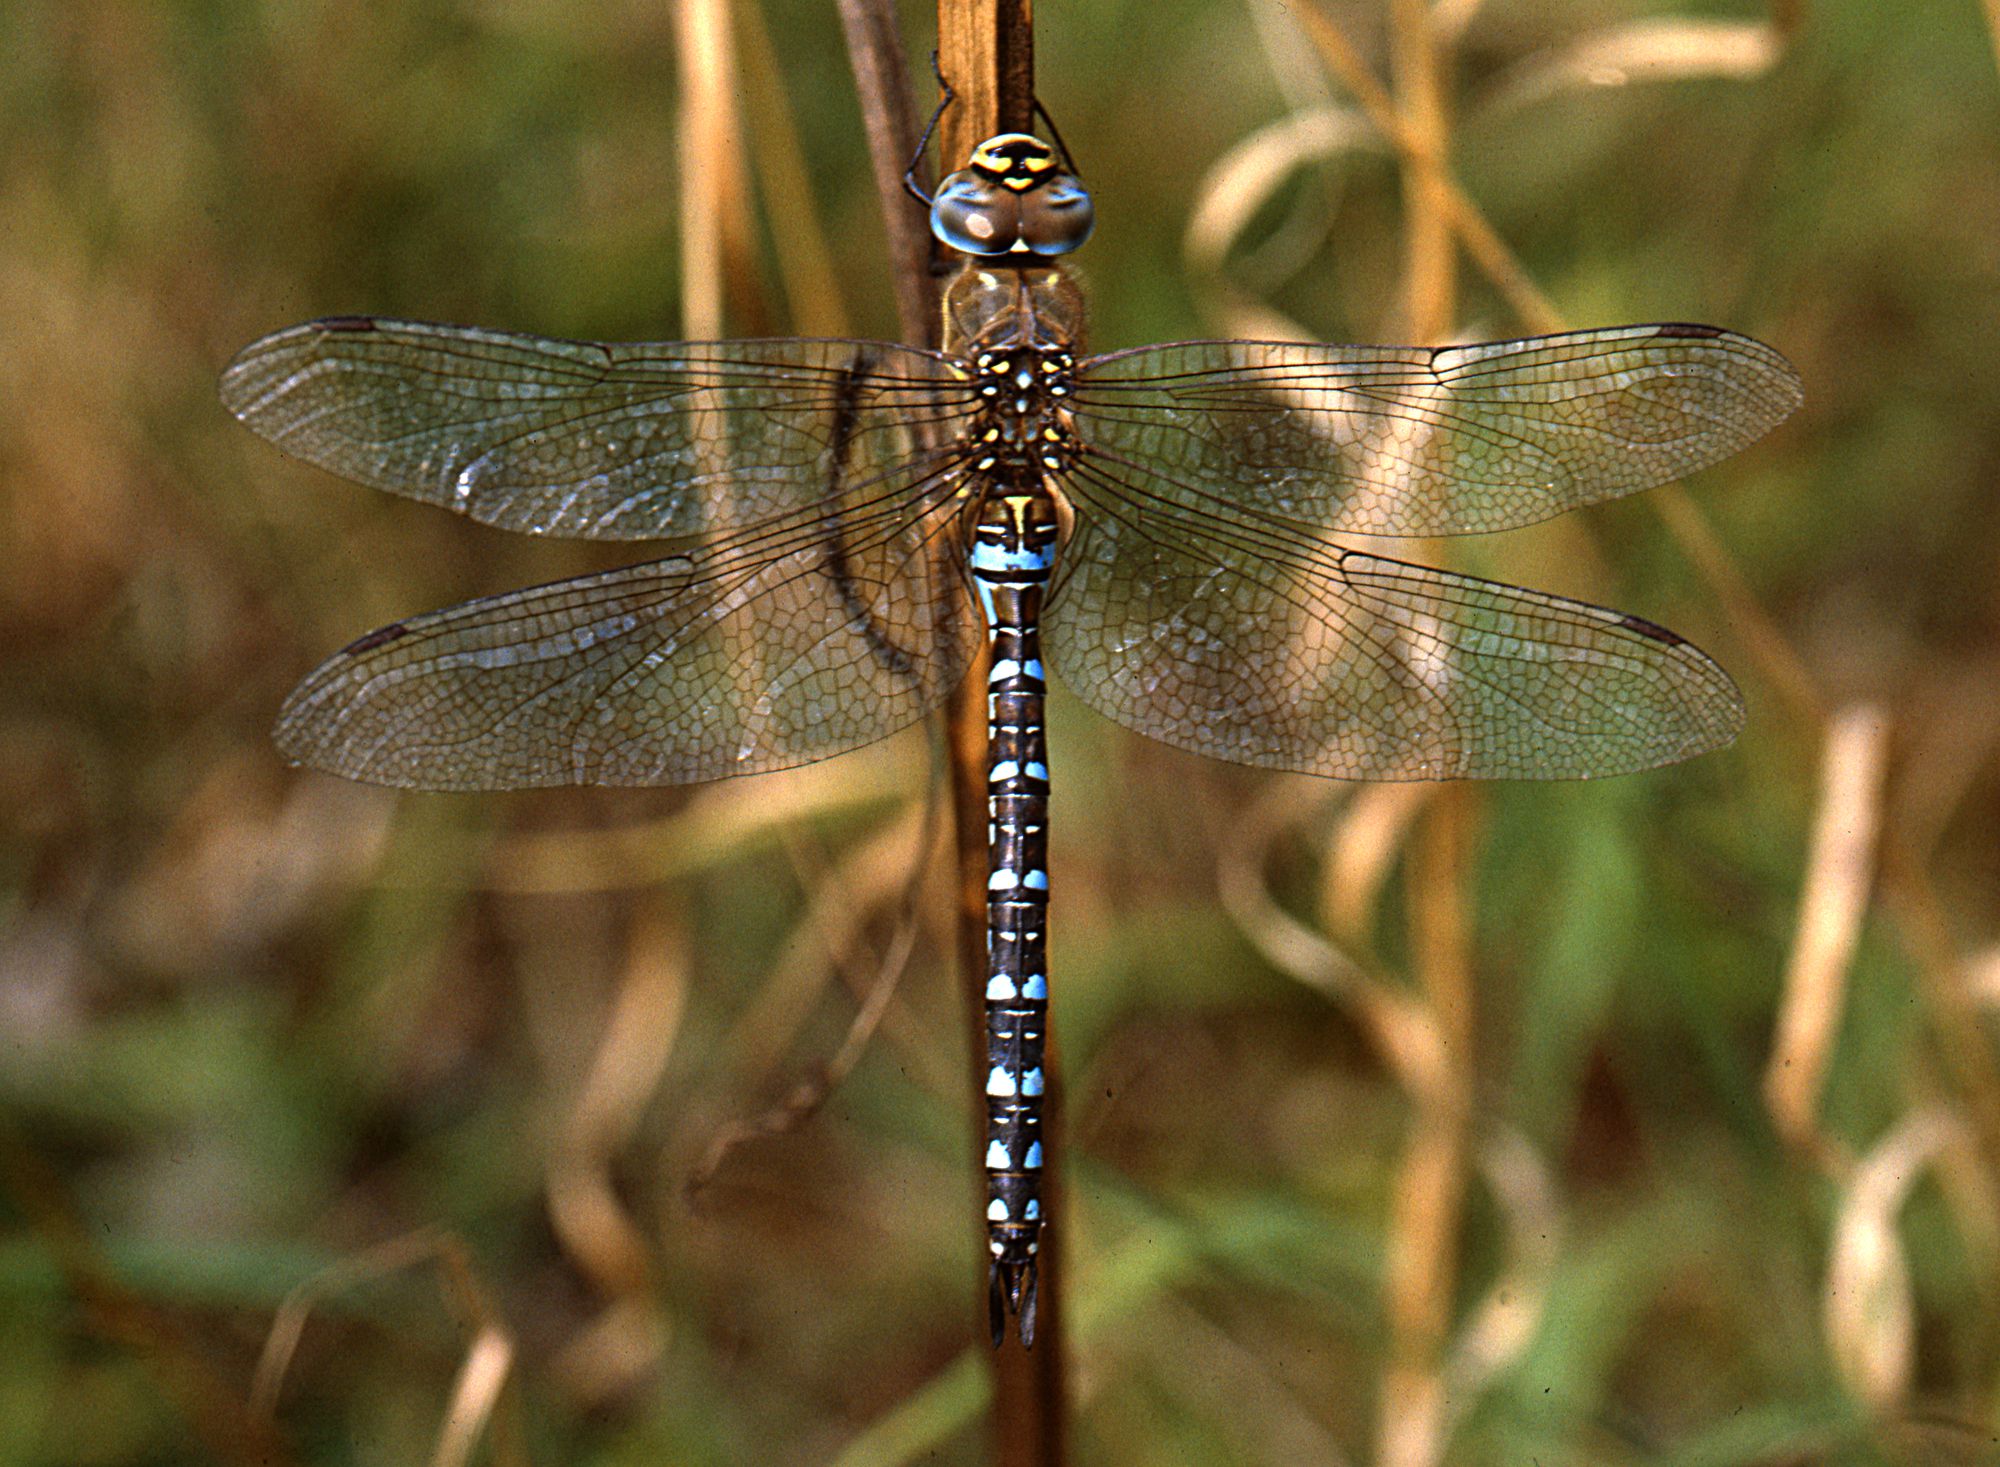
(634,441)
(759,650)
(1282,650)
(1409,441)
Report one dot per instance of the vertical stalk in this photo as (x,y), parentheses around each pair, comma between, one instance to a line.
(882,81)
(1429,251)
(986,52)
(1429,1196)
(712,191)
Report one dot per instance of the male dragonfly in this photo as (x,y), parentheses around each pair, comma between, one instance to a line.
(844,521)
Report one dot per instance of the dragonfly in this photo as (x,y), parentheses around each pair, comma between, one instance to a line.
(846,524)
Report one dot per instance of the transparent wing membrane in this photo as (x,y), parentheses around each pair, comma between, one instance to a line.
(1405,441)
(637,441)
(815,600)
(1264,645)
(762,650)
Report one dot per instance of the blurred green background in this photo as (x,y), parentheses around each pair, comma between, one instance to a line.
(256,1026)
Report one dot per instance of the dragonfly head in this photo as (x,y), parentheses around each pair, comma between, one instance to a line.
(1013,197)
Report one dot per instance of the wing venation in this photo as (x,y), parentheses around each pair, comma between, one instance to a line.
(638,441)
(1404,441)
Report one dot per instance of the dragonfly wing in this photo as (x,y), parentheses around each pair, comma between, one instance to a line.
(763,649)
(1410,441)
(1279,649)
(635,441)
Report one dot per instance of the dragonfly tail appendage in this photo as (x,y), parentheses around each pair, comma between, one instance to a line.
(1010,1290)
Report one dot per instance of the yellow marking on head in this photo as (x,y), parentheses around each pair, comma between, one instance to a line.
(1014,160)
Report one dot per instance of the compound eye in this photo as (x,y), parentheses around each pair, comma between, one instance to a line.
(974,216)
(1057,217)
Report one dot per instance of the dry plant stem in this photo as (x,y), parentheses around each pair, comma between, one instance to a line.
(1754,627)
(619,1350)
(875,988)
(593,1225)
(809,1095)
(478,1397)
(1840,875)
(986,52)
(710,177)
(882,82)
(1427,1208)
(1427,1204)
(881,875)
(986,49)
(481,1378)
(1482,243)
(1958,1025)
(1428,254)
(815,304)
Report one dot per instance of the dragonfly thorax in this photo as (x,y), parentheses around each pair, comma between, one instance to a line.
(994,307)
(1023,427)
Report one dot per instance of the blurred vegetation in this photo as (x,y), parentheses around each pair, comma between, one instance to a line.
(257,1026)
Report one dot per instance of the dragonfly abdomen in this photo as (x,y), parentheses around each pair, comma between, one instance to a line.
(1013,552)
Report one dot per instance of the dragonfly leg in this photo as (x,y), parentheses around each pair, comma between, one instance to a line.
(947,97)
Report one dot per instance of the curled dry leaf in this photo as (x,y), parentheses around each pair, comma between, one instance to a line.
(1402,1028)
(1867,1309)
(474,1396)
(1241,184)
(1289,945)
(1502,1324)
(1363,850)
(1982,977)
(1667,49)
